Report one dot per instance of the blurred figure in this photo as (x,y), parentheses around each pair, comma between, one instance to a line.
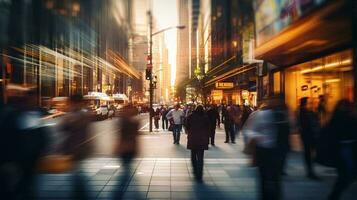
(321,109)
(236,115)
(214,121)
(187,112)
(165,122)
(75,126)
(176,117)
(197,139)
(342,127)
(23,141)
(157,118)
(227,118)
(267,133)
(127,146)
(245,114)
(309,128)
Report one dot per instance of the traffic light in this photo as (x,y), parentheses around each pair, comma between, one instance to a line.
(148,74)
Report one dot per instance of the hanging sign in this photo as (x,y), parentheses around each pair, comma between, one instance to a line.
(224,85)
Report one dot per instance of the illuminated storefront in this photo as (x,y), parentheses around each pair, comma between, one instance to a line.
(325,81)
(307,51)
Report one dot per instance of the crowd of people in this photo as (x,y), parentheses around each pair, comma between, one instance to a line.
(265,132)
(175,119)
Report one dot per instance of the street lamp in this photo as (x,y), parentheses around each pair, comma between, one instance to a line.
(149,66)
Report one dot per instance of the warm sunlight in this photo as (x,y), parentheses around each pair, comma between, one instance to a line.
(165,13)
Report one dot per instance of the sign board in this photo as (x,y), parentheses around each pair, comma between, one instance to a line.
(224,85)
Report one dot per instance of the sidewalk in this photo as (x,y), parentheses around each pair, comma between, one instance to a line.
(163,171)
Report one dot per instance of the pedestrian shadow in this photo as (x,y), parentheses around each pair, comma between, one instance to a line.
(203,190)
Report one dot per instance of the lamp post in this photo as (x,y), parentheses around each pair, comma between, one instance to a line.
(149,67)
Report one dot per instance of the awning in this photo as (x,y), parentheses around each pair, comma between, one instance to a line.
(315,35)
(233,72)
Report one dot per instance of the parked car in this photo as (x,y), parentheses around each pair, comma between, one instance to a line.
(105,112)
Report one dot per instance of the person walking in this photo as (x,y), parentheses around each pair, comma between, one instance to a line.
(164,121)
(309,128)
(127,147)
(214,120)
(197,139)
(343,149)
(157,118)
(266,131)
(75,127)
(176,116)
(228,122)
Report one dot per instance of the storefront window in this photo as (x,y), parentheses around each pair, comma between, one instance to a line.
(276,82)
(325,81)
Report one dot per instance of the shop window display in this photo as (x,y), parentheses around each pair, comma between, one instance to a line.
(325,81)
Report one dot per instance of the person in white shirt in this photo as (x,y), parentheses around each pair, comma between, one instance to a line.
(175,116)
(267,132)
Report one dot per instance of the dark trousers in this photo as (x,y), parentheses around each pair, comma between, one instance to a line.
(308,148)
(176,133)
(212,135)
(156,122)
(230,134)
(197,162)
(269,162)
(165,123)
(346,170)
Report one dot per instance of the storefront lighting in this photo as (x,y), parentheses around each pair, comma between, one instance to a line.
(330,65)
(333,80)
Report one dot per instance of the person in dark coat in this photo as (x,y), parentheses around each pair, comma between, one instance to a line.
(157,118)
(245,114)
(228,121)
(214,119)
(342,126)
(197,139)
(165,122)
(309,128)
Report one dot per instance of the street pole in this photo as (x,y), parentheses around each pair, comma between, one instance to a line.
(151,89)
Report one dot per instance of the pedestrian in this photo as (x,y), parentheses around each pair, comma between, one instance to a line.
(214,121)
(245,114)
(266,131)
(127,147)
(228,121)
(236,114)
(157,118)
(343,148)
(176,116)
(24,139)
(188,111)
(198,126)
(164,121)
(309,128)
(75,127)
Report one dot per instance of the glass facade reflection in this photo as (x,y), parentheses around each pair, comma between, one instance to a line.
(330,78)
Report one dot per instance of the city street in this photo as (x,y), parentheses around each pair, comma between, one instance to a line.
(163,171)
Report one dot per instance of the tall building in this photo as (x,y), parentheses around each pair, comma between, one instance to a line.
(183,60)
(65,48)
(161,68)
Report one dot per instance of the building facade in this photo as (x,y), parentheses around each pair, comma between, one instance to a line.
(308,51)
(64,48)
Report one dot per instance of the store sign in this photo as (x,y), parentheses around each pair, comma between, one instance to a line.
(224,85)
